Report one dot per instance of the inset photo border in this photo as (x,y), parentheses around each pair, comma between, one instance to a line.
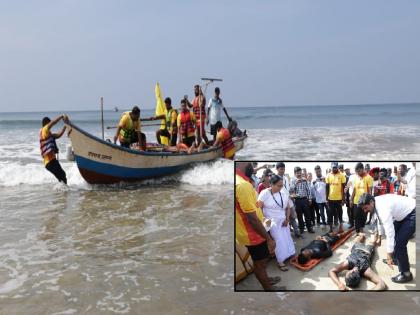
(325,226)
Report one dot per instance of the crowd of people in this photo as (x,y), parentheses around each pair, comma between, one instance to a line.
(272,209)
(185,128)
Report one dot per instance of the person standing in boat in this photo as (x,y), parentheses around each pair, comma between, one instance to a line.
(214,112)
(186,125)
(224,139)
(171,130)
(49,149)
(199,105)
(129,130)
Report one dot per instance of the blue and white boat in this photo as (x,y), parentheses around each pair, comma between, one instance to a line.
(102,162)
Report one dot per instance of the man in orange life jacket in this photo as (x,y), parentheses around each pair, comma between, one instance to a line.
(186,125)
(49,148)
(224,139)
(199,104)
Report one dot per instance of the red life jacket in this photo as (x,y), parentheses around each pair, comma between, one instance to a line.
(196,108)
(227,143)
(187,125)
(47,145)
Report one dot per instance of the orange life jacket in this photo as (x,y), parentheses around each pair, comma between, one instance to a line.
(47,145)
(187,125)
(196,108)
(227,143)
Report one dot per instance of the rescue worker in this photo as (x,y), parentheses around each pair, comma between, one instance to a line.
(49,149)
(186,125)
(199,104)
(224,139)
(129,130)
(171,130)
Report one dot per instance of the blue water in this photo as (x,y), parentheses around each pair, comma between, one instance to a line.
(255,117)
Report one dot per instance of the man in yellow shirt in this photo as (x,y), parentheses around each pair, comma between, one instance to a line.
(336,181)
(171,130)
(249,230)
(49,149)
(129,130)
(362,183)
(186,125)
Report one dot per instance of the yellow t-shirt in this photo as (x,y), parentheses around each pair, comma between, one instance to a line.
(178,123)
(361,185)
(45,131)
(127,123)
(336,182)
(174,122)
(246,202)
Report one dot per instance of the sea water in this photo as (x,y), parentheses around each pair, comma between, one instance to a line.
(166,245)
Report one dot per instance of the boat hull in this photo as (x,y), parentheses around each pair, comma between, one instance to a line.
(102,162)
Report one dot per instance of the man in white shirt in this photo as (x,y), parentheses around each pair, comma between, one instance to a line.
(408,178)
(320,192)
(396,215)
(214,112)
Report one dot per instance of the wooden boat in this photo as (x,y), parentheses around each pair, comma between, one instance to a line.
(102,162)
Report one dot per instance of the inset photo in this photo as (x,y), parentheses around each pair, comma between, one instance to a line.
(327,225)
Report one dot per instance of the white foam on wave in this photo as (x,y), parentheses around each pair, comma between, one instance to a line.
(16,173)
(215,173)
(13,284)
(356,142)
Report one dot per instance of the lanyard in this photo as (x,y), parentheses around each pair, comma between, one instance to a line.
(276,200)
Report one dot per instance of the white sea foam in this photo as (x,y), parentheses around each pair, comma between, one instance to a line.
(13,284)
(215,173)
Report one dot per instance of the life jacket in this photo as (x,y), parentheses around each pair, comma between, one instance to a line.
(47,145)
(196,108)
(187,125)
(127,134)
(227,143)
(169,117)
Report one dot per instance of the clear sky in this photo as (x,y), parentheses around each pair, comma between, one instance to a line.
(64,55)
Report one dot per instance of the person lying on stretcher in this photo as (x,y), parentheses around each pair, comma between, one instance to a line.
(320,247)
(358,263)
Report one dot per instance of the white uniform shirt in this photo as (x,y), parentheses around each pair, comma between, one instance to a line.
(410,177)
(215,113)
(320,190)
(391,208)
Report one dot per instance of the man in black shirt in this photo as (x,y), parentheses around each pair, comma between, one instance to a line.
(358,264)
(320,247)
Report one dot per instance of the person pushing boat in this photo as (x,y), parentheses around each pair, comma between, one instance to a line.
(49,149)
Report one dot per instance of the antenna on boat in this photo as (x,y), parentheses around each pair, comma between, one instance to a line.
(209,81)
(102,117)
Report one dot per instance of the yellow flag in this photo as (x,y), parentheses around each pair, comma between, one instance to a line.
(161,110)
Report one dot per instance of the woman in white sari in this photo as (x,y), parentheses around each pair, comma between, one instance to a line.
(274,202)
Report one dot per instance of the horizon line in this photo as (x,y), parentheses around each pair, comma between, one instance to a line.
(271,106)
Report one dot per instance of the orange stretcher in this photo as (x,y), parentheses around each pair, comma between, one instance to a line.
(315,261)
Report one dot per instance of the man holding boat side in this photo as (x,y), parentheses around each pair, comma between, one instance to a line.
(129,130)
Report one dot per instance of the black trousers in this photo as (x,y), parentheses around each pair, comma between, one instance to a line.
(359,218)
(55,168)
(404,230)
(350,214)
(302,209)
(335,210)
